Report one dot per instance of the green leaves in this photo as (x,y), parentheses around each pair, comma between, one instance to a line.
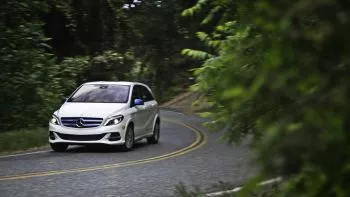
(274,74)
(201,55)
(195,9)
(32,81)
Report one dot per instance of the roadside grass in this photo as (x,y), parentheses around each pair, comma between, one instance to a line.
(22,139)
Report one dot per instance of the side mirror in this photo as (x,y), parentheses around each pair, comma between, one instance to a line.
(138,102)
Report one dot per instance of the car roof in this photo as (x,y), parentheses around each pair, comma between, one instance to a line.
(116,82)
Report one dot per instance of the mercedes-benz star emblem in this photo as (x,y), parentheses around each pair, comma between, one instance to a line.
(80,122)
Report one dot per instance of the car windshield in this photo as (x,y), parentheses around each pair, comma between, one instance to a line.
(101,93)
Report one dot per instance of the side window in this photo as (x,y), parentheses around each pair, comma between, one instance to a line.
(146,95)
(135,93)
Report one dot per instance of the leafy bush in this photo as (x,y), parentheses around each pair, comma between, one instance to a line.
(280,71)
(32,83)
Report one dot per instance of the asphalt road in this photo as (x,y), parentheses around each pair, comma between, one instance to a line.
(186,153)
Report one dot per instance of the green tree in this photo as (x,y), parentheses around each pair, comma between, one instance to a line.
(152,46)
(31,85)
(280,71)
(157,42)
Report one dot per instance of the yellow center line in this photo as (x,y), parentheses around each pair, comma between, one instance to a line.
(200,140)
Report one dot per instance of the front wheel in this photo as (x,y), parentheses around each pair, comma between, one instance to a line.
(154,139)
(129,139)
(59,147)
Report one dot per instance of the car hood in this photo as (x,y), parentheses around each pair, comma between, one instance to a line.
(93,110)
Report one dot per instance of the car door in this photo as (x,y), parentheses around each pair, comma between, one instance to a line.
(151,108)
(139,114)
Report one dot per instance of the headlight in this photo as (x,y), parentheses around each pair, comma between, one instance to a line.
(115,120)
(54,120)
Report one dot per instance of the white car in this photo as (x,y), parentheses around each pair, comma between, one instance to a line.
(112,113)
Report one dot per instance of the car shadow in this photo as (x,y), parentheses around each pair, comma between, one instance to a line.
(100,148)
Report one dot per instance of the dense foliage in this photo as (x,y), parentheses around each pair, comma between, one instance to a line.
(30,82)
(146,36)
(280,71)
(47,48)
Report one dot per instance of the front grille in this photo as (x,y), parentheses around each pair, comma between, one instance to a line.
(81,137)
(81,122)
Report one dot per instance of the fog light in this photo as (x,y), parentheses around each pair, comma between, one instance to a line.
(52,135)
(114,137)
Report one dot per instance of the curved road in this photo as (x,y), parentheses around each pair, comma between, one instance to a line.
(186,153)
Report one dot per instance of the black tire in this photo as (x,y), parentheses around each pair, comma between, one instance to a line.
(154,139)
(59,147)
(129,139)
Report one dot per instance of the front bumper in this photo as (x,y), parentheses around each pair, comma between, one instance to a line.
(96,135)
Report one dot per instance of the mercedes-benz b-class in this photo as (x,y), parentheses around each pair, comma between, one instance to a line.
(112,113)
